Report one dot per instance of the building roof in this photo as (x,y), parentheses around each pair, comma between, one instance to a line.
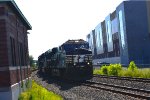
(15,8)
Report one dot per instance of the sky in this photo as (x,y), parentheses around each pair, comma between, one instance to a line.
(55,21)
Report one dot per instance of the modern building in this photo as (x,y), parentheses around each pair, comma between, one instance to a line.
(14,62)
(92,43)
(124,35)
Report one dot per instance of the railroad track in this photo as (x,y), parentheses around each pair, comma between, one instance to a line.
(133,92)
(124,78)
(121,90)
(32,70)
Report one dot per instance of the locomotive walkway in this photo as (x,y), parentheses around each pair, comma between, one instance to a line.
(96,89)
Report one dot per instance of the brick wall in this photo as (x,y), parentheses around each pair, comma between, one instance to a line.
(15,75)
(11,27)
(4,79)
(3,44)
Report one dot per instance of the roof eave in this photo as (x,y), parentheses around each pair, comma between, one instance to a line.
(12,4)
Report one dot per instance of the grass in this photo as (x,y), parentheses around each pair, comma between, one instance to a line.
(37,92)
(96,71)
(140,73)
(118,70)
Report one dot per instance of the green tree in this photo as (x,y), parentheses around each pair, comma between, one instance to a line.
(32,64)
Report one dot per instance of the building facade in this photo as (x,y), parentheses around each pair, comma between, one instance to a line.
(92,42)
(14,62)
(124,35)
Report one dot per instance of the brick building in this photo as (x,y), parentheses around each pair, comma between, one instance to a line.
(14,64)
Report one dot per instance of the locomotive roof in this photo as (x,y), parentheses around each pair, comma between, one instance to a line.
(76,41)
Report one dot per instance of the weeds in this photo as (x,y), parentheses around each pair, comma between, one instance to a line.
(38,93)
(117,70)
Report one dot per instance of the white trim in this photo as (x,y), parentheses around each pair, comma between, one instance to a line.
(19,82)
(9,87)
(4,68)
(12,68)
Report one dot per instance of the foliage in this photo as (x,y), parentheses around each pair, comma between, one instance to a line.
(95,71)
(22,84)
(31,59)
(117,70)
(104,70)
(141,73)
(145,73)
(38,93)
(113,69)
(28,83)
(25,85)
(132,66)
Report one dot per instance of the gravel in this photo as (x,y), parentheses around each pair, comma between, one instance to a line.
(77,92)
(128,83)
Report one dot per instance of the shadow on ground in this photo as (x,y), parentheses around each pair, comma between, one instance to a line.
(62,84)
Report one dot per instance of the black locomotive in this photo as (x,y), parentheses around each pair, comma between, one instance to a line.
(72,60)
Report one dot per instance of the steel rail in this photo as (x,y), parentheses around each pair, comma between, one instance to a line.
(123,78)
(90,84)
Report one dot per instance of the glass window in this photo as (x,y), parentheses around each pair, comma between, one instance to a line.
(109,33)
(121,29)
(99,37)
(108,30)
(13,51)
(91,39)
(114,25)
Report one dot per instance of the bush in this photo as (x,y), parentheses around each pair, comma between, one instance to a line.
(132,66)
(103,70)
(114,69)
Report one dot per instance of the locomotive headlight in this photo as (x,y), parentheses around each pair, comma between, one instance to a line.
(88,63)
(74,64)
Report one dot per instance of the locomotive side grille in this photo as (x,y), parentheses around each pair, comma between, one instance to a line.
(79,60)
(69,58)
